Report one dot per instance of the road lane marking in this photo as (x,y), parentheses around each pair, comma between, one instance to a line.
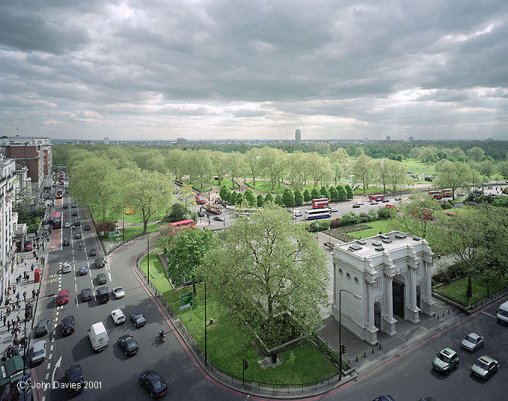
(75,286)
(47,377)
(50,356)
(487,313)
(49,366)
(51,349)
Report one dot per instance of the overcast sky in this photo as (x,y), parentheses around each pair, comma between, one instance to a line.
(161,69)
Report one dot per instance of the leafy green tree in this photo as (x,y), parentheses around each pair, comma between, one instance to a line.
(232,197)
(260,201)
(334,196)
(307,197)
(349,191)
(250,198)
(298,197)
(341,193)
(395,174)
(503,169)
(235,166)
(178,212)
(239,199)
(269,198)
(187,195)
(339,164)
(95,183)
(475,153)
(253,160)
(418,214)
(175,162)
(288,197)
(150,193)
(324,192)
(487,167)
(265,268)
(219,164)
(279,201)
(186,252)
(272,164)
(452,175)
(316,194)
(224,193)
(364,171)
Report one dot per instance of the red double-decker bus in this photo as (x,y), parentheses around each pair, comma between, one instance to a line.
(437,195)
(320,203)
(377,198)
(56,219)
(200,199)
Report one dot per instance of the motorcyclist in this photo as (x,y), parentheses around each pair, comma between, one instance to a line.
(162,335)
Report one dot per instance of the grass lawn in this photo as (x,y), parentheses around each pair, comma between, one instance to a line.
(266,186)
(136,218)
(228,344)
(375,227)
(456,291)
(417,167)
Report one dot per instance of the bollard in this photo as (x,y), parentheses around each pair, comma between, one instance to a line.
(379,345)
(443,314)
(356,359)
(448,311)
(365,354)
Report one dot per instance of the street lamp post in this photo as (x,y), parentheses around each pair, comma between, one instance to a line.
(340,327)
(206,353)
(148,268)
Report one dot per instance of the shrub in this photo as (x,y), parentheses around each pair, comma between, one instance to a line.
(447,204)
(348,219)
(298,197)
(385,213)
(307,196)
(363,218)
(335,223)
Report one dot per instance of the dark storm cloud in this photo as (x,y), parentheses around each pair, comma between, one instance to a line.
(247,67)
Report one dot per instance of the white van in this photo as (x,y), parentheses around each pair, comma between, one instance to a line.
(502,313)
(98,336)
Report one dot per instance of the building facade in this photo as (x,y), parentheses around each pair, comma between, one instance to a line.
(392,275)
(34,154)
(298,137)
(8,222)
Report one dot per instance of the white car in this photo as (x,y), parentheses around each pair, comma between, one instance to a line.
(118,292)
(297,213)
(118,316)
(67,225)
(66,267)
(39,352)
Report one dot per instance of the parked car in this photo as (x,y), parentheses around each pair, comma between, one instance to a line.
(138,319)
(445,360)
(87,227)
(74,206)
(67,225)
(93,252)
(86,294)
(42,328)
(128,344)
(356,205)
(68,325)
(66,242)
(153,383)
(76,222)
(118,292)
(118,316)
(62,297)
(472,342)
(66,267)
(38,352)
(83,270)
(101,279)
(297,213)
(484,367)
(77,236)
(65,206)
(28,247)
(74,379)
(74,213)
(218,218)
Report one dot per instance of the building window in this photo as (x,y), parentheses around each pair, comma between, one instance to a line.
(348,275)
(340,271)
(356,280)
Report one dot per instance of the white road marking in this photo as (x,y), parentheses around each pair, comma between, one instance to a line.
(43,398)
(47,377)
(50,356)
(51,348)
(75,287)
(49,366)
(57,364)
(486,313)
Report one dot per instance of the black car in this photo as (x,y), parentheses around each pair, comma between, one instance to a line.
(66,242)
(74,379)
(74,213)
(153,383)
(100,262)
(103,295)
(128,344)
(76,222)
(65,206)
(138,319)
(74,206)
(86,294)
(93,252)
(42,328)
(101,279)
(77,236)
(218,218)
(87,227)
(68,325)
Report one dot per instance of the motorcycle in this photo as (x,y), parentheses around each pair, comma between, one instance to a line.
(162,336)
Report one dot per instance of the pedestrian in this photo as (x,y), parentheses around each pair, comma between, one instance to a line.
(18,318)
(14,288)
(24,296)
(35,253)
(5,319)
(8,310)
(8,325)
(17,280)
(33,266)
(33,293)
(17,296)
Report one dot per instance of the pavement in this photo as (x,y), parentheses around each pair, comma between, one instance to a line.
(24,262)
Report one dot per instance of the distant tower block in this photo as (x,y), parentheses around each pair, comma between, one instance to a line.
(298,137)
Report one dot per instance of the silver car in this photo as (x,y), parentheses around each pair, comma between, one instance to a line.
(484,367)
(38,352)
(472,342)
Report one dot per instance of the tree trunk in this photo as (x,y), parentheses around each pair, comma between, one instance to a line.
(469,290)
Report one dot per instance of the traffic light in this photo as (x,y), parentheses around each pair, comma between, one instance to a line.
(342,349)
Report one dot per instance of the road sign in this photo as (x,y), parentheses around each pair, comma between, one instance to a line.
(186,300)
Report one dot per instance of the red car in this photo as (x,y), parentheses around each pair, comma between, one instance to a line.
(63,297)
(28,247)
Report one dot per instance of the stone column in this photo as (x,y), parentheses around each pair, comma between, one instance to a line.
(370,332)
(389,322)
(427,302)
(412,309)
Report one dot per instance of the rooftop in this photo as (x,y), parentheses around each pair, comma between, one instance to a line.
(369,247)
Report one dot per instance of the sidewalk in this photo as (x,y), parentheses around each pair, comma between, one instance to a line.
(361,355)
(16,317)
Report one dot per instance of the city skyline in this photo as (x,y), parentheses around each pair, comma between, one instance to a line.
(207,70)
